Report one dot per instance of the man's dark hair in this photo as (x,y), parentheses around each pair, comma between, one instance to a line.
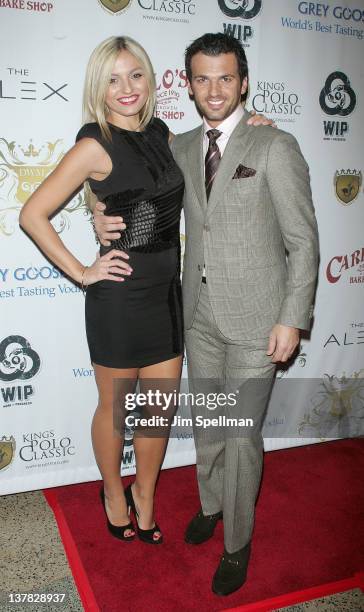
(215,44)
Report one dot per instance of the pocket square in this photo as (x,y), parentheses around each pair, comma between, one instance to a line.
(243,172)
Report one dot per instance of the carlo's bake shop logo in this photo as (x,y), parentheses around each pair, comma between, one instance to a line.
(7,451)
(27,5)
(347,185)
(115,7)
(349,266)
(22,170)
(170,87)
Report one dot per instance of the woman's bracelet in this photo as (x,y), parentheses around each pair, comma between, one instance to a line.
(83,286)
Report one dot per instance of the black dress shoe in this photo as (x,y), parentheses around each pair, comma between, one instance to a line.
(232,570)
(202,527)
(145,535)
(115,530)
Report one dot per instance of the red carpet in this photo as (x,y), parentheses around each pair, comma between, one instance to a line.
(297,597)
(309,531)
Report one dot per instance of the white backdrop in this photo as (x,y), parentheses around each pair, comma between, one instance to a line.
(306,72)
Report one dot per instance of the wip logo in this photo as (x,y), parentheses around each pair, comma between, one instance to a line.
(245,9)
(115,6)
(17,359)
(337,97)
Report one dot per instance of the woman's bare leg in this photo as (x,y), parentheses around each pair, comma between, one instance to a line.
(150,449)
(108,439)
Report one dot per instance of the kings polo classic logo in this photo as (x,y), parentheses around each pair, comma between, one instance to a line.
(46,449)
(115,6)
(347,185)
(7,451)
(337,98)
(18,361)
(22,170)
(277,98)
(168,10)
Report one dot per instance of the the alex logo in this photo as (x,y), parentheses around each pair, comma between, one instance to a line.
(245,9)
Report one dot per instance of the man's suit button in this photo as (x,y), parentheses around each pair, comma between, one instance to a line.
(206,228)
(199,268)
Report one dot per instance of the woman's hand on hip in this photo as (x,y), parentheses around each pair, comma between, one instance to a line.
(108,267)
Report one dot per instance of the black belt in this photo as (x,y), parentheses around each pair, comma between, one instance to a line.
(203,279)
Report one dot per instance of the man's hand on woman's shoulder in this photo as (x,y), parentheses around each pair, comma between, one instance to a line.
(256,120)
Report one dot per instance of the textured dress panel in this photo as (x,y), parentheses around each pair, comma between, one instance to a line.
(139,322)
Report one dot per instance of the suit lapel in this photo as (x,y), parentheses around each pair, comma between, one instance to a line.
(196,166)
(237,147)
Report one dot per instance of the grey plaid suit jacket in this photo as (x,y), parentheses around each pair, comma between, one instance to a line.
(244,233)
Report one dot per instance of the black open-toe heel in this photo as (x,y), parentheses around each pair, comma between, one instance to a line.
(115,530)
(145,535)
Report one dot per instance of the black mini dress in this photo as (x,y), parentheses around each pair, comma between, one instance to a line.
(139,322)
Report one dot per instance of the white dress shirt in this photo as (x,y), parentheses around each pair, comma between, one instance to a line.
(226,127)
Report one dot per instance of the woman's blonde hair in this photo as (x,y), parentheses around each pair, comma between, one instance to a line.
(97,81)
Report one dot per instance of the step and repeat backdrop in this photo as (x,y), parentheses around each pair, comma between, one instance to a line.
(306,73)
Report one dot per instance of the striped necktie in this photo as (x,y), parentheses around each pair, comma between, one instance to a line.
(212,159)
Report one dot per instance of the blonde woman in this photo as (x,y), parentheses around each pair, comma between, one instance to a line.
(133,300)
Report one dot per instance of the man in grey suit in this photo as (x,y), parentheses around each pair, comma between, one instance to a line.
(249,276)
